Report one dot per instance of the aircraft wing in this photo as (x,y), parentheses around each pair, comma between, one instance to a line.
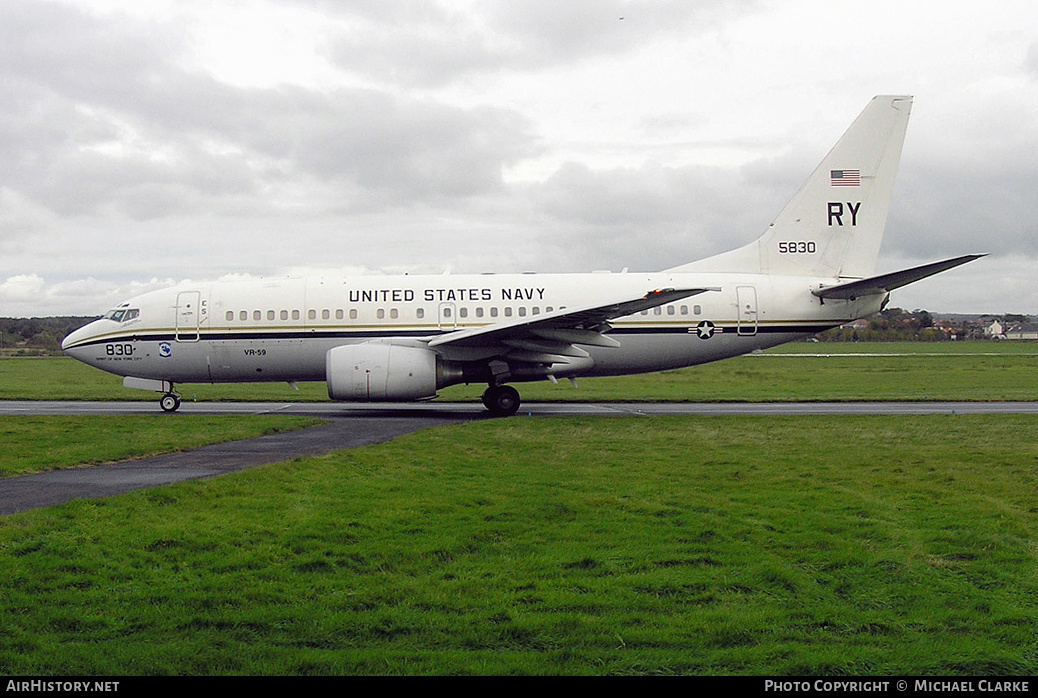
(888,282)
(551,337)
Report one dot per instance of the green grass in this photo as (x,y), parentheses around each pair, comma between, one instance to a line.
(685,545)
(816,371)
(34,444)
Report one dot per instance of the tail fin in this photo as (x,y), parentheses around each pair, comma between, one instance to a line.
(834,225)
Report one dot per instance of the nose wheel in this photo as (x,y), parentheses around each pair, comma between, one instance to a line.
(170,402)
(501,400)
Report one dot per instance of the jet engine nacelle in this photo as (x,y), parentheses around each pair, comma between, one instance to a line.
(381,371)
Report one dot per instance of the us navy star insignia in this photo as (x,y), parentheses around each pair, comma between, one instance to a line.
(705,329)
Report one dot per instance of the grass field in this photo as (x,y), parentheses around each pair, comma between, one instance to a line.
(800,371)
(35,444)
(850,545)
(686,545)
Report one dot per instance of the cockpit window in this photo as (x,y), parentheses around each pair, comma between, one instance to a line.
(122,314)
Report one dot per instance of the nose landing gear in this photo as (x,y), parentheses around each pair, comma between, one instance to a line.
(170,402)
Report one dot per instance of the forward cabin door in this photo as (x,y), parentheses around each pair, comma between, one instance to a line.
(188,315)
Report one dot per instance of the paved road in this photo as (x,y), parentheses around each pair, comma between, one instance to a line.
(348,427)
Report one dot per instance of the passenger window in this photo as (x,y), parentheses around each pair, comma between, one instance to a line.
(230,316)
(284,314)
(270,314)
(326,314)
(243,315)
(421,313)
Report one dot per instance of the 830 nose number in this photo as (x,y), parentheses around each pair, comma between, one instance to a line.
(119,349)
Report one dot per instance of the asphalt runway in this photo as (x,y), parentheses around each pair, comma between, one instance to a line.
(352,426)
(474,410)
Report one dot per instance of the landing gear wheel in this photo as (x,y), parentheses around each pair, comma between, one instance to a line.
(170,402)
(501,400)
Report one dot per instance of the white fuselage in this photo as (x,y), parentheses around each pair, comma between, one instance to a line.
(282,329)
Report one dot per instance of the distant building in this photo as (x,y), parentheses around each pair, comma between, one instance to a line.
(996,330)
(1024,330)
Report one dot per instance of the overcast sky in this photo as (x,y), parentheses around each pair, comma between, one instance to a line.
(146,143)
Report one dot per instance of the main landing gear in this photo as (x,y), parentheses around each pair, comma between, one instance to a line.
(501,400)
(170,402)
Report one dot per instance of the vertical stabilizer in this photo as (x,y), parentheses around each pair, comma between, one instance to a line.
(834,225)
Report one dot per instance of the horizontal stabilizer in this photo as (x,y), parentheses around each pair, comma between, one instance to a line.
(888,282)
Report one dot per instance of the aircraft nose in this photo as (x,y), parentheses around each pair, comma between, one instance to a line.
(76,337)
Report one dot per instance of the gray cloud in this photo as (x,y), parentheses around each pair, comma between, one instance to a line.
(430,47)
(654,216)
(489,135)
(99,114)
(951,207)
(548,32)
(1031,61)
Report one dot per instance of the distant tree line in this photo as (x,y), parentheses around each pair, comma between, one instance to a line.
(36,336)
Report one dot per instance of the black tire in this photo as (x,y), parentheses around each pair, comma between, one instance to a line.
(170,402)
(501,400)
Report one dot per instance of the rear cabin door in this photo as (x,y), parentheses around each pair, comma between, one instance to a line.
(747,299)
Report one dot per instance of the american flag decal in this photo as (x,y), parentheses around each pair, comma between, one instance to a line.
(845,178)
